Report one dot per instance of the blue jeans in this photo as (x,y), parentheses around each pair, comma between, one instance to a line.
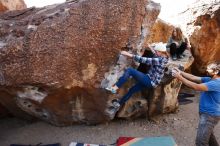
(143,81)
(205,135)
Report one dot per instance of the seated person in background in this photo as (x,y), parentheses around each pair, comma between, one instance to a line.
(150,80)
(177,44)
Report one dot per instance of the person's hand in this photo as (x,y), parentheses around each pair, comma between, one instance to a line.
(176,69)
(125,53)
(176,73)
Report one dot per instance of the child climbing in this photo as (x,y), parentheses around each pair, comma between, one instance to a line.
(149,80)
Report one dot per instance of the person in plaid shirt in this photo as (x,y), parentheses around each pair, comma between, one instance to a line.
(150,80)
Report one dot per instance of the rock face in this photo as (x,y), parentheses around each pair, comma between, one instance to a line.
(206,38)
(202,23)
(54,59)
(160,32)
(6,5)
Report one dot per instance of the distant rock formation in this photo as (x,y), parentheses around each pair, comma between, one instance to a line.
(11,5)
(206,38)
(160,32)
(202,23)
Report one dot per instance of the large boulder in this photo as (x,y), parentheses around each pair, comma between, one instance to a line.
(10,5)
(54,60)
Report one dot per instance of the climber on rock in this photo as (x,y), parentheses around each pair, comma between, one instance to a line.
(146,52)
(150,80)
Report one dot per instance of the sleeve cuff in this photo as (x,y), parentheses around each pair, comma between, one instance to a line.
(136,57)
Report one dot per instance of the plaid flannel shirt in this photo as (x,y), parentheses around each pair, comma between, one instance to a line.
(156,71)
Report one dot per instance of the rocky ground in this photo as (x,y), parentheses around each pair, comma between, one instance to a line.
(181,125)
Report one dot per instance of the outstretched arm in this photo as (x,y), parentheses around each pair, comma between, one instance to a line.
(125,53)
(189,76)
(193,85)
(145,60)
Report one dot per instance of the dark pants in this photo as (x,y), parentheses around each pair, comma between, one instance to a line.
(174,50)
(143,81)
(205,135)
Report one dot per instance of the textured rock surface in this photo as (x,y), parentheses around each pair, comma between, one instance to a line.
(206,39)
(55,60)
(6,5)
(202,24)
(160,32)
(7,100)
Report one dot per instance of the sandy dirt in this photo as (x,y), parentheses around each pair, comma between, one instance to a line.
(181,125)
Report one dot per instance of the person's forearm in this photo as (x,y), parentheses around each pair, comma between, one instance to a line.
(193,85)
(188,83)
(125,53)
(187,75)
(130,55)
(190,77)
